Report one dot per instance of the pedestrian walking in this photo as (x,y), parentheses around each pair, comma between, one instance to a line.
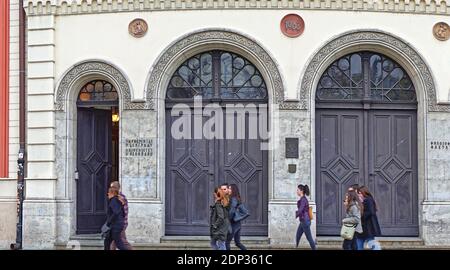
(302,214)
(352,218)
(236,218)
(369,220)
(219,221)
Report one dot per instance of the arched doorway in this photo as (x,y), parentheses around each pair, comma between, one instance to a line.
(366,133)
(97,152)
(195,165)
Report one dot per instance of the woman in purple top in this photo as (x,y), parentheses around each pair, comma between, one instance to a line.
(302,214)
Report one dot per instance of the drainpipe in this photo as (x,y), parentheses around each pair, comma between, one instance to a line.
(22,154)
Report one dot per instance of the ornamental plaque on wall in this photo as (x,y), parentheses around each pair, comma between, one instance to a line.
(292,25)
(441,31)
(138,28)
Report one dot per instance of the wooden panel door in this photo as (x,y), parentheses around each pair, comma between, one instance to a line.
(393,170)
(339,163)
(189,182)
(244,162)
(195,166)
(94,168)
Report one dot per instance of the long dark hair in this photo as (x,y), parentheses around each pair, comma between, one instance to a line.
(304,189)
(352,196)
(366,193)
(235,192)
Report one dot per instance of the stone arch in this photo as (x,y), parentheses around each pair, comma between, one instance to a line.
(378,41)
(92,68)
(218,39)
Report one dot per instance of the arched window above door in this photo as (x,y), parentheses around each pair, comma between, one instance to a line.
(98,92)
(366,76)
(217,75)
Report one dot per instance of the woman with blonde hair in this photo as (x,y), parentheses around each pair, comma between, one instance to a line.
(219,222)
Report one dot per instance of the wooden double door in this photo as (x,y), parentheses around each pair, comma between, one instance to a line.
(375,148)
(195,166)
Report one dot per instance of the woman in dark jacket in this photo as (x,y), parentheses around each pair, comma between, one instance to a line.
(115,219)
(235,200)
(302,214)
(369,220)
(219,222)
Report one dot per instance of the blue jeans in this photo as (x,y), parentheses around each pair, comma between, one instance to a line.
(371,242)
(305,227)
(218,244)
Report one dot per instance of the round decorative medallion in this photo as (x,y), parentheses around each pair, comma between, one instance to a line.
(138,28)
(292,25)
(441,31)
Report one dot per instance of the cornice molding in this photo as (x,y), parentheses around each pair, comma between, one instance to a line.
(74,7)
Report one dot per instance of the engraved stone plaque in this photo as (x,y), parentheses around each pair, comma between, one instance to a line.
(138,147)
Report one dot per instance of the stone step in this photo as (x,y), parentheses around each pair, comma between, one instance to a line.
(385,242)
(94,242)
(250,240)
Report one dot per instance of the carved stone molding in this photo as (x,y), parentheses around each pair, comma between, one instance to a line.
(221,37)
(92,68)
(376,38)
(73,7)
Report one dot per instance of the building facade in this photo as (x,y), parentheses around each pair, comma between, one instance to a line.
(359,95)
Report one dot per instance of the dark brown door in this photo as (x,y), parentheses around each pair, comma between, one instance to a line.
(393,170)
(375,148)
(94,168)
(195,166)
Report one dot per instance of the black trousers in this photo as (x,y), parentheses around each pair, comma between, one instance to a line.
(236,234)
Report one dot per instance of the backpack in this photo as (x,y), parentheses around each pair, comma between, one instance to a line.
(241,213)
(310,213)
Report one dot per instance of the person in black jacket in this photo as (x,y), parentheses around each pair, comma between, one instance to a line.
(115,219)
(369,220)
(235,200)
(219,222)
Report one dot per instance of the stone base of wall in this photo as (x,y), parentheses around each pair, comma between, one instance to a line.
(283,224)
(39,224)
(436,223)
(145,222)
(65,224)
(8,220)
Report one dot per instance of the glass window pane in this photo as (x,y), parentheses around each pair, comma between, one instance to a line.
(238,78)
(343,80)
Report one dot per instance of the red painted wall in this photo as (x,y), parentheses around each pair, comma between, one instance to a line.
(4,87)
